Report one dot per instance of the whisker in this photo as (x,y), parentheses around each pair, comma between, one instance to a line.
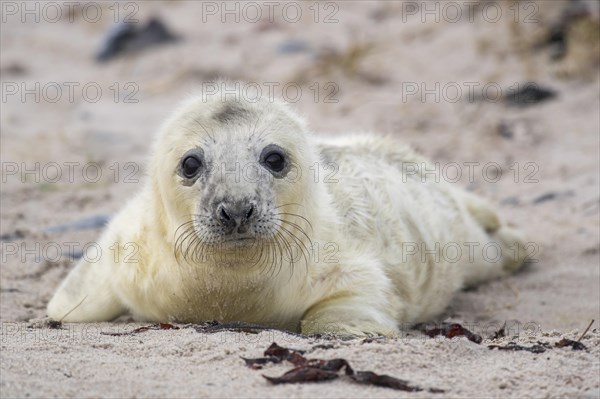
(297,228)
(291,256)
(193,247)
(305,252)
(296,215)
(262,250)
(287,245)
(282,239)
(297,240)
(254,129)
(192,244)
(261,135)
(181,238)
(280,250)
(288,204)
(205,130)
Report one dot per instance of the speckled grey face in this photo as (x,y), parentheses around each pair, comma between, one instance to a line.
(237,194)
(239,177)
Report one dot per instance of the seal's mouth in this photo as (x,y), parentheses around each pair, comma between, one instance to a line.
(238,242)
(245,240)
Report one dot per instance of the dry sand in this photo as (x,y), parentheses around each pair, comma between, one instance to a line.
(373,55)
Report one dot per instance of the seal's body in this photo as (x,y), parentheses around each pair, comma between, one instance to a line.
(246,216)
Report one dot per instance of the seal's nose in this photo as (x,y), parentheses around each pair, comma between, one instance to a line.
(234,215)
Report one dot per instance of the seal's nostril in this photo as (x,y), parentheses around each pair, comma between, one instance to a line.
(224,214)
(250,211)
(231,214)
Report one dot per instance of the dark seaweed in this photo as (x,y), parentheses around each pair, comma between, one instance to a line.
(451,330)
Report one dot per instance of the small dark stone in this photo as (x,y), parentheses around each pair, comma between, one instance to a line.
(505,131)
(544,198)
(116,40)
(531,93)
(510,201)
(292,46)
(15,235)
(124,37)
(92,222)
(13,69)
(552,196)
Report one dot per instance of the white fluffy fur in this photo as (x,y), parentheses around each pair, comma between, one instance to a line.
(360,277)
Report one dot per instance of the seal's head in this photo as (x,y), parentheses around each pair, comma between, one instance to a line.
(230,172)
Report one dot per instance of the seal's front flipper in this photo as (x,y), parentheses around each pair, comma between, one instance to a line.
(86,295)
(348,317)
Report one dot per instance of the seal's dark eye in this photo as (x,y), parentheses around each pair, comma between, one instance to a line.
(190,166)
(275,161)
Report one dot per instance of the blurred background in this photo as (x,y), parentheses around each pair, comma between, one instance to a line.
(508,90)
